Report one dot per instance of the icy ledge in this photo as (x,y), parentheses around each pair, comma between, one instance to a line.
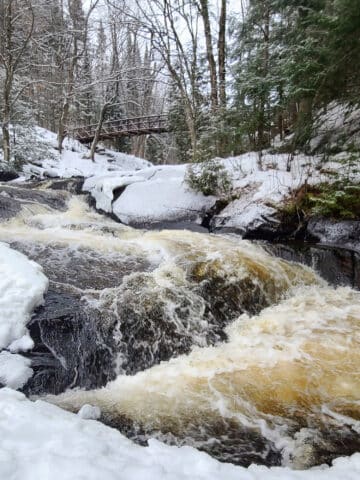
(40,441)
(22,288)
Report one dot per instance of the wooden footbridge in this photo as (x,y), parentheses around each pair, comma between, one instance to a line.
(126,127)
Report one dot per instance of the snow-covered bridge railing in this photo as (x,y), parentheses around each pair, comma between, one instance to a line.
(121,128)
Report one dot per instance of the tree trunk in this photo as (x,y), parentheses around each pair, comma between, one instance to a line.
(6,141)
(263,139)
(6,117)
(222,55)
(98,131)
(204,12)
(62,122)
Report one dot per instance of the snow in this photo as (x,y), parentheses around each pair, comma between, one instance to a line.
(22,286)
(152,195)
(40,441)
(15,370)
(261,181)
(89,412)
(337,125)
(72,161)
(146,194)
(102,188)
(162,197)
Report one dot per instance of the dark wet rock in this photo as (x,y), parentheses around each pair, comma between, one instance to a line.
(191,226)
(338,266)
(8,206)
(8,175)
(270,224)
(72,185)
(265,229)
(82,268)
(13,198)
(224,439)
(73,347)
(345,233)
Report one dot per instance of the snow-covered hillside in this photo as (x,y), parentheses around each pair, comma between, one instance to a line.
(141,194)
(260,184)
(73,162)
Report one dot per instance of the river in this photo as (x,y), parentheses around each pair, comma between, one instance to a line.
(206,340)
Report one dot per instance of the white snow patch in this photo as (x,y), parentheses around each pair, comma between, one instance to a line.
(262,181)
(163,197)
(155,194)
(40,441)
(72,161)
(15,370)
(102,188)
(22,286)
(89,412)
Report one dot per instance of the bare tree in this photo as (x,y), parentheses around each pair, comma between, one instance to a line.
(162,21)
(77,48)
(16,29)
(203,6)
(98,130)
(222,55)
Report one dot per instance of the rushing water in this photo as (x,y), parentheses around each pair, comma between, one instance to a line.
(259,357)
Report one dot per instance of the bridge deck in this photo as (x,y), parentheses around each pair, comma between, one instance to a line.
(122,128)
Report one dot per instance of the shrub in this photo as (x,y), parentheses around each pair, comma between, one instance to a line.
(209,177)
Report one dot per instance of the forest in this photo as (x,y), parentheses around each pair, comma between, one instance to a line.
(230,80)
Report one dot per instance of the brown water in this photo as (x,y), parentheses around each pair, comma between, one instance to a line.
(280,383)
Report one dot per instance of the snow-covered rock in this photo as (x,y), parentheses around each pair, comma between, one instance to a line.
(22,286)
(15,370)
(345,233)
(40,441)
(152,195)
(261,183)
(337,127)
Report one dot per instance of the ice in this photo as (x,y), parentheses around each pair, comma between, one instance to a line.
(102,188)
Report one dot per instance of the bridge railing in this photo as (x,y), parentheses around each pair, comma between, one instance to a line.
(124,126)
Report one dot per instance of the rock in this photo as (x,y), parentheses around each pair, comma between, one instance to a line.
(338,266)
(254,222)
(336,128)
(72,185)
(345,233)
(8,175)
(8,206)
(73,347)
(15,197)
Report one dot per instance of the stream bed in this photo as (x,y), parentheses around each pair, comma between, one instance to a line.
(192,338)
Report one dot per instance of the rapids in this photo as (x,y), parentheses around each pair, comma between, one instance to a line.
(215,343)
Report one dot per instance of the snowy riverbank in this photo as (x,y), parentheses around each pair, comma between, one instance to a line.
(40,441)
